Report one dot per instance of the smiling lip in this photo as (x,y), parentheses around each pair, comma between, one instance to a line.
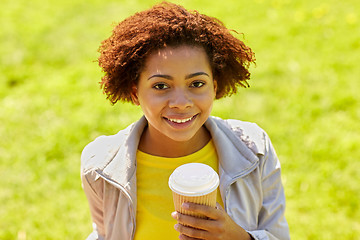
(180,122)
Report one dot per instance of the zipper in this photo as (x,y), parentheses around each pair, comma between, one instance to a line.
(115,184)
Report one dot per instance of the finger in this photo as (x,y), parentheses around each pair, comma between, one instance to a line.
(218,206)
(207,211)
(191,232)
(195,222)
(184,237)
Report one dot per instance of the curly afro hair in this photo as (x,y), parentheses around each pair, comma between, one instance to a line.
(123,54)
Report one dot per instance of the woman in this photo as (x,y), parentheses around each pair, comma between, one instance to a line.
(173,63)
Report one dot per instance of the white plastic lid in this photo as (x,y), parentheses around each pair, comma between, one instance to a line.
(193,179)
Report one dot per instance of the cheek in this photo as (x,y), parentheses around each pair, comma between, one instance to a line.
(152,105)
(151,100)
(206,101)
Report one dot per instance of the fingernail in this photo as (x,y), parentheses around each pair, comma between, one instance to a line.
(176,226)
(185,205)
(175,215)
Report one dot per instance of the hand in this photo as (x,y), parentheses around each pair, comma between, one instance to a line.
(218,226)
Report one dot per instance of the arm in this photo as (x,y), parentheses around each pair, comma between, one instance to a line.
(95,204)
(271,220)
(92,186)
(272,223)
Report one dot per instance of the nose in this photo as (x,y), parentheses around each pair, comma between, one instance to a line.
(180,99)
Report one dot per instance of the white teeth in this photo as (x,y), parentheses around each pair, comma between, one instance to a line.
(180,120)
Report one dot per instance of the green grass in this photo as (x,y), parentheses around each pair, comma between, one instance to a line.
(304,93)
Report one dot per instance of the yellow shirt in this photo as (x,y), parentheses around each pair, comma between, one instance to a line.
(154,197)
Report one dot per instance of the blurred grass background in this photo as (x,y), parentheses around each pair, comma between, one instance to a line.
(304,93)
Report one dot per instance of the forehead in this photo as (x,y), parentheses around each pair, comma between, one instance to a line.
(178,55)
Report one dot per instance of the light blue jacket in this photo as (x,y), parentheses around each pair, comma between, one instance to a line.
(249,170)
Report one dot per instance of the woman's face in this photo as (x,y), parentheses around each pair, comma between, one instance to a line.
(176,91)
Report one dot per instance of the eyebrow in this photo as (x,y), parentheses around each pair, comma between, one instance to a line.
(186,77)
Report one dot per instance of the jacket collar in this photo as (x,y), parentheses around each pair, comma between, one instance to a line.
(235,157)
(121,169)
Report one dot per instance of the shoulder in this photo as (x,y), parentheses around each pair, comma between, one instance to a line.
(98,153)
(257,140)
(251,134)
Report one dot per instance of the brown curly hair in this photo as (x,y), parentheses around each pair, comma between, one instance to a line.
(122,55)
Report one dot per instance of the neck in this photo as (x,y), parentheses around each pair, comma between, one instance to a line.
(166,147)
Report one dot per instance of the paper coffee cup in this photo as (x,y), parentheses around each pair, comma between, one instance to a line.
(194,182)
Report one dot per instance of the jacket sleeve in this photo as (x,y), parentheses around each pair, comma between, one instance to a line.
(92,191)
(93,188)
(271,221)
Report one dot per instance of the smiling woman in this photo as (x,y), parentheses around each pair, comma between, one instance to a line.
(176,92)
(174,63)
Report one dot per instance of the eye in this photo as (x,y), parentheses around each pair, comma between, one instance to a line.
(197,84)
(160,86)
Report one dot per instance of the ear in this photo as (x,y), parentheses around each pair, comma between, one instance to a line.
(134,95)
(215,86)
